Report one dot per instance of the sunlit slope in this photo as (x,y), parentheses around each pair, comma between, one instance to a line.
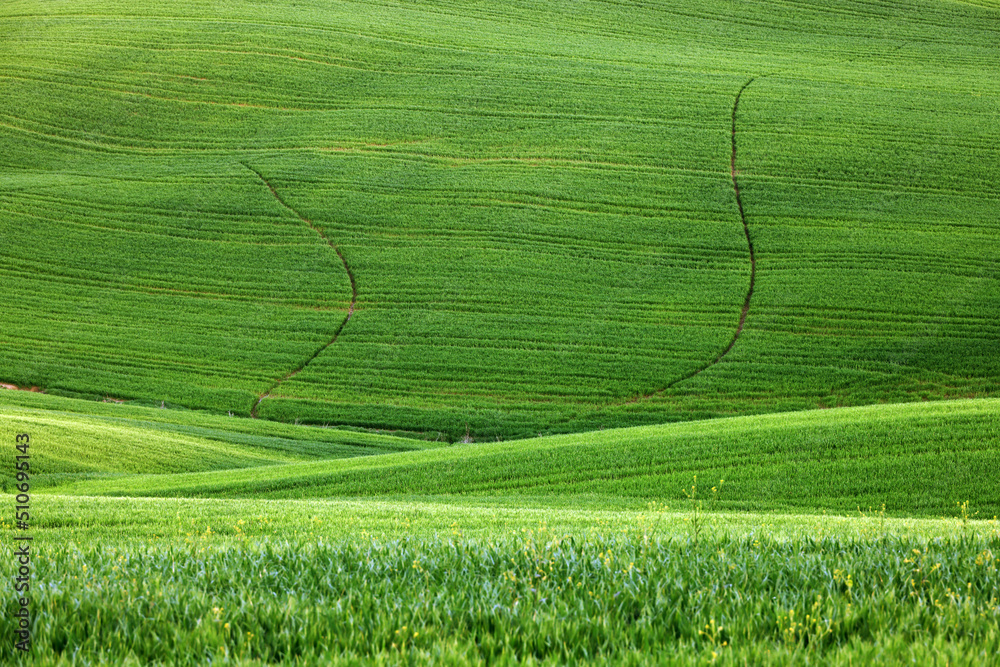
(84,439)
(534,204)
(870,192)
(915,458)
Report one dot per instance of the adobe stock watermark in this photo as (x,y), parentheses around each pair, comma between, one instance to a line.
(22,543)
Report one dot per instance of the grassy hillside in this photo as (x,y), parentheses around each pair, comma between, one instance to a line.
(915,459)
(445,215)
(17,401)
(121,440)
(659,234)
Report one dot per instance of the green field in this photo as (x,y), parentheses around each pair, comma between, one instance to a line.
(916,459)
(615,546)
(452,332)
(162,581)
(536,207)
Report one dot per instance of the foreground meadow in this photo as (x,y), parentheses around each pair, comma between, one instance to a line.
(186,582)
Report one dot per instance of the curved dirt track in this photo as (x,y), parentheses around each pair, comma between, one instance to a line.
(732,343)
(350,276)
(753,265)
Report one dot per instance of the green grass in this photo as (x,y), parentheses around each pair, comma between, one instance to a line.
(535,202)
(217,522)
(426,222)
(539,597)
(154,581)
(85,439)
(919,459)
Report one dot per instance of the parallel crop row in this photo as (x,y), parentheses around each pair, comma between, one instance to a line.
(537,207)
(915,459)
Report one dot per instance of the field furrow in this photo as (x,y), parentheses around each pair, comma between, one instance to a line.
(350,309)
(540,204)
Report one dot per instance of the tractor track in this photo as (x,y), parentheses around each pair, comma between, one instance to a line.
(350,277)
(746,231)
(753,265)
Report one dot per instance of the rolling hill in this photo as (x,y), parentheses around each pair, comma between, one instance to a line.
(911,460)
(501,221)
(537,332)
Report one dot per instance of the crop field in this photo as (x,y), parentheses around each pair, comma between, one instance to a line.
(224,583)
(915,459)
(80,446)
(616,546)
(536,332)
(442,218)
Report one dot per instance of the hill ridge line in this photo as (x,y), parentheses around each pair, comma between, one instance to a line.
(350,277)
